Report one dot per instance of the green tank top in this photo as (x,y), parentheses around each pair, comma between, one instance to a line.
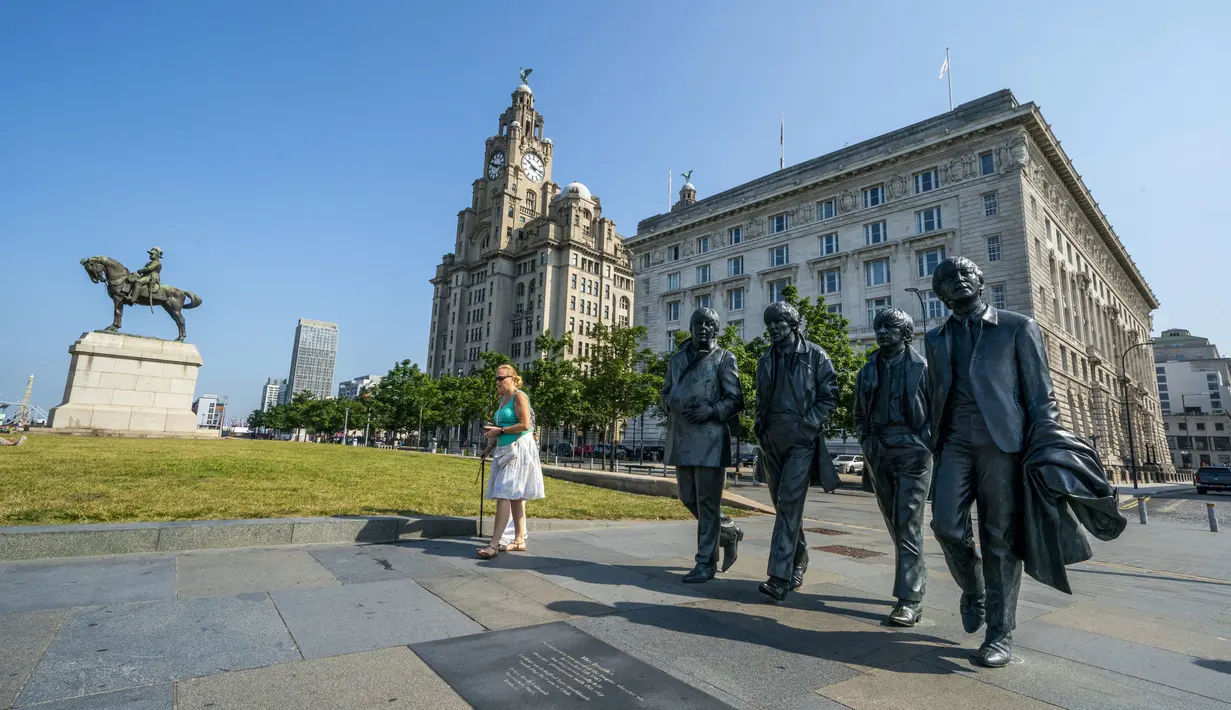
(507,416)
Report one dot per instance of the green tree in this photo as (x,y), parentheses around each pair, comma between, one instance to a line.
(256,419)
(746,355)
(619,379)
(553,384)
(405,398)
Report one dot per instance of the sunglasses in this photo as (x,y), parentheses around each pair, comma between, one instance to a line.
(502,378)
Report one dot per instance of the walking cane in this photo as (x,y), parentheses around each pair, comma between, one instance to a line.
(482,486)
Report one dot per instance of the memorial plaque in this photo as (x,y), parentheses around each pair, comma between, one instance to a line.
(553,666)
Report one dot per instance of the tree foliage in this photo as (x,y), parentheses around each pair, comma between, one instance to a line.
(553,382)
(619,379)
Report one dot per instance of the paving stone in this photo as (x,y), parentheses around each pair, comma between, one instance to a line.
(362,617)
(30,586)
(616,586)
(490,603)
(150,697)
(1077,685)
(1195,675)
(25,638)
(913,684)
(359,564)
(547,593)
(109,648)
(810,701)
(388,678)
(241,571)
(1091,617)
(461,553)
(698,646)
(567,550)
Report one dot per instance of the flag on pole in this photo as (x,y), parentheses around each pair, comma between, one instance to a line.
(782,142)
(944,67)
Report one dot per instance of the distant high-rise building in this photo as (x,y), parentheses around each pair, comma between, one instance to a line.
(1194,389)
(351,389)
(269,393)
(312,359)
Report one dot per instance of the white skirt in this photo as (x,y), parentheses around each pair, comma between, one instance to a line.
(516,471)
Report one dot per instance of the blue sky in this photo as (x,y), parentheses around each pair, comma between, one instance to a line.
(308,158)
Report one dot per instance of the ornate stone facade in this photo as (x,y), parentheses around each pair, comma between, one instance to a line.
(864,227)
(528,256)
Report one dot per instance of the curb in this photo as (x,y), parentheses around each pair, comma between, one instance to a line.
(33,542)
(643,484)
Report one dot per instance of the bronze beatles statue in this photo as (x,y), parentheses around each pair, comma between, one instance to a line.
(891,422)
(702,398)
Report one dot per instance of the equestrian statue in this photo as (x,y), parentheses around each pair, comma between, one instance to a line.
(144,288)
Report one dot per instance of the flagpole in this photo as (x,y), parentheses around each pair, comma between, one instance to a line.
(949,76)
(782,142)
(668,189)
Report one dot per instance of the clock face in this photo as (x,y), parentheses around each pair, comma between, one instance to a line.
(533,165)
(495,164)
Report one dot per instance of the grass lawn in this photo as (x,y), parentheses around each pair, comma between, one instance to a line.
(65,479)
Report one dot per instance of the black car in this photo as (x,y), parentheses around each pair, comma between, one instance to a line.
(748,455)
(1212,478)
(562,449)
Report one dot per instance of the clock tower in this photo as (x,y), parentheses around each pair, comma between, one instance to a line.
(528,256)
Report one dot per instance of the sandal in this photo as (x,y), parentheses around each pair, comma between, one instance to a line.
(487,552)
(513,547)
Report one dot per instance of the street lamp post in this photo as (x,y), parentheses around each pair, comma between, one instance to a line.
(923,309)
(1128,408)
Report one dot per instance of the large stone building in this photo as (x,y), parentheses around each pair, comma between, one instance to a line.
(1193,382)
(312,359)
(865,226)
(351,389)
(528,256)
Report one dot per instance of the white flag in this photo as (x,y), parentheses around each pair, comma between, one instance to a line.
(944,68)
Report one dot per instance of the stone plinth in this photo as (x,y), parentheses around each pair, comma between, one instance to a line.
(125,385)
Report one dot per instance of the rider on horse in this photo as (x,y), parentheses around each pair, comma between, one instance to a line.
(149,276)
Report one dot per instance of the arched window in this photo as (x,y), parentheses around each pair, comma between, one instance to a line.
(532,201)
(624,305)
(521,290)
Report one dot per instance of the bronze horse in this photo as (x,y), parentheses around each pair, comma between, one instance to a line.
(172,299)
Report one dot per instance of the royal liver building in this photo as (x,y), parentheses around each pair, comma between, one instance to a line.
(528,256)
(865,226)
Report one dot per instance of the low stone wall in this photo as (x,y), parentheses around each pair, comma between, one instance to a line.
(644,484)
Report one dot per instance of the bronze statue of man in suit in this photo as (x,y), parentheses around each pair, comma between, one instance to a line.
(989,382)
(797,389)
(892,425)
(702,398)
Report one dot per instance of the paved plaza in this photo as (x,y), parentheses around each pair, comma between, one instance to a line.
(336,626)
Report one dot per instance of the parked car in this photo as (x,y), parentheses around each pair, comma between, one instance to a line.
(562,449)
(649,453)
(1212,478)
(849,463)
(748,455)
(583,450)
(604,450)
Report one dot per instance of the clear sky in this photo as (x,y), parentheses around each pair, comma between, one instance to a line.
(303,158)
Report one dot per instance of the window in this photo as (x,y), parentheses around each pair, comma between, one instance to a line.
(778,223)
(574,284)
(516,350)
(993,248)
(933,307)
(673,281)
(876,305)
(1200,426)
(736,234)
(739,327)
(876,272)
(834,308)
(703,245)
(1212,386)
(703,301)
(990,208)
(671,339)
(777,289)
(874,233)
(735,299)
(1034,207)
(735,266)
(826,210)
(1211,376)
(831,281)
(673,252)
(1162,387)
(829,244)
(572,326)
(1064,358)
(987,163)
(1218,426)
(574,259)
(572,303)
(780,255)
(998,298)
(926,181)
(703,274)
(873,196)
(929,260)
(673,311)
(927,220)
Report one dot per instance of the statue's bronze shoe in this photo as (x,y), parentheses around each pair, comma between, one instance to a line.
(906,614)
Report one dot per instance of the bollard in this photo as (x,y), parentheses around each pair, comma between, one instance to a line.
(1209,510)
(1141,509)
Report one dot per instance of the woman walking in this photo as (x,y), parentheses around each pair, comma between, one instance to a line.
(516,472)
